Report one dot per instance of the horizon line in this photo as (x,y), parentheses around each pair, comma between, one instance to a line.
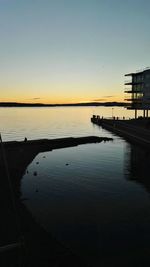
(14,103)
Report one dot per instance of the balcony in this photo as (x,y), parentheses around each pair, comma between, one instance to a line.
(129,74)
(128,82)
(133,83)
(134,107)
(133,91)
(134,100)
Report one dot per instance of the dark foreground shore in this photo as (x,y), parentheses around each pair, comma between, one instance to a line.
(35,247)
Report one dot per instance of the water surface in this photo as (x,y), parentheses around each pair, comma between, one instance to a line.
(52,122)
(93,198)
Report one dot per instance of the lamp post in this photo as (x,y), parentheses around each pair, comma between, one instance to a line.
(112,112)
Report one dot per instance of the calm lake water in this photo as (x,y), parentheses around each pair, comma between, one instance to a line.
(93,198)
(47,122)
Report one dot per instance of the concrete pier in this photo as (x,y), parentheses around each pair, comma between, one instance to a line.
(133,130)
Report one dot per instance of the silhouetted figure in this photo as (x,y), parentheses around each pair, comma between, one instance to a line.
(25,140)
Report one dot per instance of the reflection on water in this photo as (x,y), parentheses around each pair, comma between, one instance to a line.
(84,196)
(138,166)
(93,198)
(35,123)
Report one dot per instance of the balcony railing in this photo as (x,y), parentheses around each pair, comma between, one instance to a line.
(128,81)
(133,83)
(137,100)
(128,91)
(133,91)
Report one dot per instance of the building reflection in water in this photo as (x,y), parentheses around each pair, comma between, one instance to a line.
(137,165)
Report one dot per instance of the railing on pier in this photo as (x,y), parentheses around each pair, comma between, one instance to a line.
(97,117)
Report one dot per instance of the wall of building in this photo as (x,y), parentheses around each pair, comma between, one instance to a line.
(140,90)
(146,89)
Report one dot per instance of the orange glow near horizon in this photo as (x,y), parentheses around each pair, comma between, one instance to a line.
(58,52)
(62,94)
(64,100)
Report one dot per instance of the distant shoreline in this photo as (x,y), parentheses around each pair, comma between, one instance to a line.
(108,104)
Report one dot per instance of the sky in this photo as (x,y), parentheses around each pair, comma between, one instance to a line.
(69,51)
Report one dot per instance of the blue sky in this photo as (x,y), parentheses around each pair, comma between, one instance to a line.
(58,51)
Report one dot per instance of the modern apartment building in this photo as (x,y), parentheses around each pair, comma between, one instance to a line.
(138,87)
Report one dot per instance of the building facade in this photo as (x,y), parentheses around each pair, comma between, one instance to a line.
(138,87)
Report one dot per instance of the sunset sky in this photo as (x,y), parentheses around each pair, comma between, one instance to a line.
(67,51)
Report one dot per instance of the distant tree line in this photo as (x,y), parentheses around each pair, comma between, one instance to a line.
(16,104)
